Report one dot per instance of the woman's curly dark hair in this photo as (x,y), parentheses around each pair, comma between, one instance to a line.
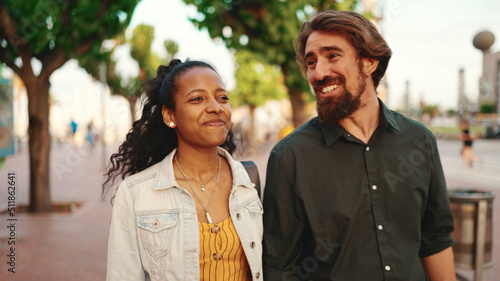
(150,140)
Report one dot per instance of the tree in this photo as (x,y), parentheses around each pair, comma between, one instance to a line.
(49,33)
(140,51)
(267,28)
(256,83)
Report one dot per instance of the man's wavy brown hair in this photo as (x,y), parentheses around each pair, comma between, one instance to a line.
(356,29)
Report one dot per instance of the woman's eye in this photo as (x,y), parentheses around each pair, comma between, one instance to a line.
(196,99)
(332,56)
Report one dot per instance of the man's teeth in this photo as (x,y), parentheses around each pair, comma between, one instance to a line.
(329,89)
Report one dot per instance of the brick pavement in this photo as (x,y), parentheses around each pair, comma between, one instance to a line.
(58,246)
(72,246)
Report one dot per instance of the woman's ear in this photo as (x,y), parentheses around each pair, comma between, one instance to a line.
(168,117)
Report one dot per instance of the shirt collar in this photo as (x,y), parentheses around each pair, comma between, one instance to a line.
(165,178)
(332,132)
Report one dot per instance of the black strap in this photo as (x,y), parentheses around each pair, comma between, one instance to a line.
(253,172)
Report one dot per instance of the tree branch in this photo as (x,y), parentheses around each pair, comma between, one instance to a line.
(103,8)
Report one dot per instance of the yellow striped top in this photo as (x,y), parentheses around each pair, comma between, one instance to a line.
(221,253)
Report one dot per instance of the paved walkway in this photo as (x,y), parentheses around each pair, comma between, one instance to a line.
(72,246)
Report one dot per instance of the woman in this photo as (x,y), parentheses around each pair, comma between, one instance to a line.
(185,210)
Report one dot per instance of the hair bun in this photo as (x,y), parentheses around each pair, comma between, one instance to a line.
(174,62)
(163,70)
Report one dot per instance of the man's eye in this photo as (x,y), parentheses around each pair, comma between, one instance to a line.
(310,63)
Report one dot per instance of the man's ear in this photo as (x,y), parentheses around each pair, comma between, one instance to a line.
(369,65)
(168,117)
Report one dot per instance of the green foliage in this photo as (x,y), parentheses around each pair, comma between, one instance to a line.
(430,109)
(487,107)
(140,51)
(256,82)
(451,112)
(47,26)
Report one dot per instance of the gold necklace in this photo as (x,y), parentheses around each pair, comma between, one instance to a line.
(207,215)
(202,184)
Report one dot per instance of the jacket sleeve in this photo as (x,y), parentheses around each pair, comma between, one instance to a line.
(284,221)
(124,262)
(437,222)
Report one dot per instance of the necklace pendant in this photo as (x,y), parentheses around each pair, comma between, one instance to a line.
(202,187)
(209,219)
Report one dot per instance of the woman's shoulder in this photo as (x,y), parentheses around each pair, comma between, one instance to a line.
(144,175)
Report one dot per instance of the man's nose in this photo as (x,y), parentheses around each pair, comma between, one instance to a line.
(321,70)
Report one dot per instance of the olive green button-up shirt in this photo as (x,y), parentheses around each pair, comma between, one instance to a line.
(336,208)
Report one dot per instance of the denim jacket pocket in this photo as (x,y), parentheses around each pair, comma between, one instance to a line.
(255,211)
(155,233)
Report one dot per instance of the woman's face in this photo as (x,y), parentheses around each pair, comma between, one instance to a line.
(202,115)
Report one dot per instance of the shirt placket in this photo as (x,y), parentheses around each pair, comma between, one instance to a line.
(380,219)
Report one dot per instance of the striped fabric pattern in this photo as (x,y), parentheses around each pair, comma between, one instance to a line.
(221,253)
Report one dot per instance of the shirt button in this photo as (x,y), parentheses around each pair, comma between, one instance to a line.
(380,227)
(374,187)
(367,148)
(387,268)
(257,275)
(238,216)
(252,245)
(217,257)
(215,229)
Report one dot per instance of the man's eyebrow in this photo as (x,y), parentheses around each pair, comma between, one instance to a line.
(331,48)
(324,50)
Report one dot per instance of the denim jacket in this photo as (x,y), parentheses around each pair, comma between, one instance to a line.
(154,232)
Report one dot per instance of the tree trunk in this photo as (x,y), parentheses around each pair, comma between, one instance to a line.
(298,106)
(251,130)
(39,143)
(296,96)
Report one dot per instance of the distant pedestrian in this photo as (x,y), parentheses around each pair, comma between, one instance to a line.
(466,138)
(90,133)
(185,210)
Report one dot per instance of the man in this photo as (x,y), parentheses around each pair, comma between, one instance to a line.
(357,193)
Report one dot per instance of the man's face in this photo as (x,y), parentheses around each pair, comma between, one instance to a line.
(334,71)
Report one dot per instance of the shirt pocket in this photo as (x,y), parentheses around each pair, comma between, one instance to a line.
(155,233)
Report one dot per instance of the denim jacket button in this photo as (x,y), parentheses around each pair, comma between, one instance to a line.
(257,275)
(238,216)
(252,245)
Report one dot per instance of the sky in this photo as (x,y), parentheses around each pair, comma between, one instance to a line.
(431,40)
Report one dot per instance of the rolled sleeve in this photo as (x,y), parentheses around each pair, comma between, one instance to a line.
(437,222)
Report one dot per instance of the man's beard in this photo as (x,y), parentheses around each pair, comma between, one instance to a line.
(339,106)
